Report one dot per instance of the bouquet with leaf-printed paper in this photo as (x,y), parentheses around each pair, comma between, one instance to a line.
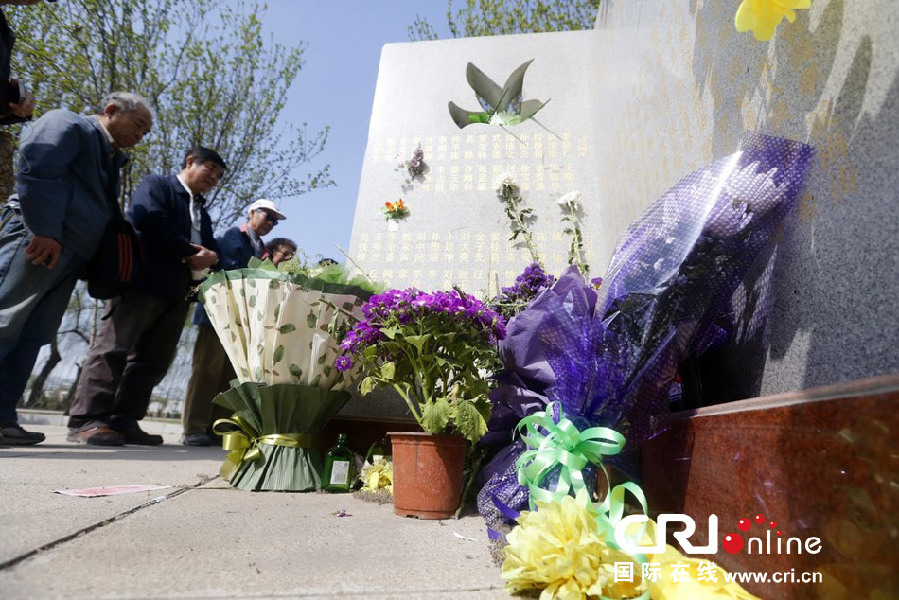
(280,330)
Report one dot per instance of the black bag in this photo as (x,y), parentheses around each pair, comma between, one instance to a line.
(117,261)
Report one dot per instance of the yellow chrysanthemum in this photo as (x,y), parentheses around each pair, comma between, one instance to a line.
(378,475)
(696,579)
(556,549)
(763,16)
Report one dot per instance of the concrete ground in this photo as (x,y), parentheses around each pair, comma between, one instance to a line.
(200,538)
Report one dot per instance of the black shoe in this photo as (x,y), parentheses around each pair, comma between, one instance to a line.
(13,435)
(136,436)
(196,439)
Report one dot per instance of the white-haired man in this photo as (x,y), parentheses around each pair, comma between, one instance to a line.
(68,173)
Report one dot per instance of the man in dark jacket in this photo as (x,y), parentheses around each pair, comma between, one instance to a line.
(68,174)
(16,104)
(139,335)
(212,371)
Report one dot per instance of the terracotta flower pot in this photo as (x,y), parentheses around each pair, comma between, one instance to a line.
(427,474)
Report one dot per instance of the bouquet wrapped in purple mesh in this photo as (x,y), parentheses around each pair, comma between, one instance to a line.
(609,358)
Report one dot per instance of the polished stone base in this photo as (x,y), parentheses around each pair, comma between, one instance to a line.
(821,463)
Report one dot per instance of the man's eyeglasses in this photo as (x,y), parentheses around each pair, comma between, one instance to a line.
(271,218)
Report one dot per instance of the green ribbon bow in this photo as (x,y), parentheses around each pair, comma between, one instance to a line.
(560,444)
(243,443)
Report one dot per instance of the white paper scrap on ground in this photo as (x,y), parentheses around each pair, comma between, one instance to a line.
(110,490)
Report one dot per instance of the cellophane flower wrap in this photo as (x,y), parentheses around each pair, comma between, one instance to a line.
(608,359)
(436,349)
(281,332)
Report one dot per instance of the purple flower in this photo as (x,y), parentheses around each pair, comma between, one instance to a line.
(343,363)
(412,308)
(533,280)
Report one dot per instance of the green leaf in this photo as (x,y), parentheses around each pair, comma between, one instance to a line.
(469,420)
(388,371)
(311,320)
(277,311)
(322,359)
(258,373)
(278,355)
(435,415)
(252,301)
(390,332)
(418,341)
(295,370)
(367,385)
(289,328)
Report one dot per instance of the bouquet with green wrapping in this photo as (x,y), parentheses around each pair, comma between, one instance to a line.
(281,332)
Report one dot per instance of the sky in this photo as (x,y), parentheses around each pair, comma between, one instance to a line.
(335,88)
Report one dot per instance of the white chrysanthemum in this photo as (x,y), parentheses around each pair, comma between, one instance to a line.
(570,201)
(751,194)
(754,188)
(505,181)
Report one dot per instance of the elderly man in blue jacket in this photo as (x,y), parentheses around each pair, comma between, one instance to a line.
(138,338)
(68,171)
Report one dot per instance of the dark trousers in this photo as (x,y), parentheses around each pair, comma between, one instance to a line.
(211,375)
(134,347)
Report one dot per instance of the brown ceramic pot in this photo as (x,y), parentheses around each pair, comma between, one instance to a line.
(427,474)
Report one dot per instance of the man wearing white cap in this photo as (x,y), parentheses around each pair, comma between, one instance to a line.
(212,371)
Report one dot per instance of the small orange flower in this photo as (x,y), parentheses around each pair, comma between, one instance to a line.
(395,210)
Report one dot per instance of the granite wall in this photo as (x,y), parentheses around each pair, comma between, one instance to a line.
(680,88)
